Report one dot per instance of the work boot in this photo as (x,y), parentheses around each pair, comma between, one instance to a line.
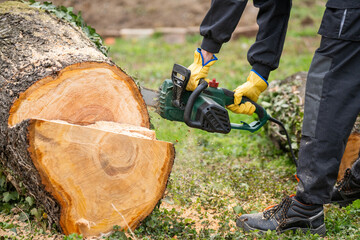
(289,215)
(348,189)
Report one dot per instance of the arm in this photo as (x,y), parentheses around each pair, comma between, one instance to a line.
(273,16)
(264,54)
(217,27)
(220,22)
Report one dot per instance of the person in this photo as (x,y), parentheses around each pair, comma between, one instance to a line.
(331,106)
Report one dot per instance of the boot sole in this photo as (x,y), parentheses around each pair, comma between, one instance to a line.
(321,230)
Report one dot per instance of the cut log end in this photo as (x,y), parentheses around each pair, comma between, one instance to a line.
(83,93)
(130,173)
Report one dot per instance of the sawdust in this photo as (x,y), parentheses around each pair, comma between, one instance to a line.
(195,215)
(24,229)
(28,230)
(198,216)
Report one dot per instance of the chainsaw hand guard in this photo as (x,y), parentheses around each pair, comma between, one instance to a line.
(210,116)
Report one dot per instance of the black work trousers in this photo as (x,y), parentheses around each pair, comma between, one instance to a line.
(332,104)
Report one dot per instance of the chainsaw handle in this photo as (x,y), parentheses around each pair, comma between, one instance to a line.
(190,104)
(259,111)
(180,77)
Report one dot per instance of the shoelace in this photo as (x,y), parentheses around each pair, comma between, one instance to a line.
(344,182)
(282,206)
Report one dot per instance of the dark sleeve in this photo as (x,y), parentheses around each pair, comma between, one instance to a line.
(264,54)
(220,22)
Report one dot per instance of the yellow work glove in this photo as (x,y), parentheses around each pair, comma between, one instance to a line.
(199,70)
(254,85)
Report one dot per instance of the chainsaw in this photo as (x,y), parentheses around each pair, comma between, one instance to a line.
(204,108)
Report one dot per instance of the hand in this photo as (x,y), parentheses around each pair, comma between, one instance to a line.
(200,68)
(254,85)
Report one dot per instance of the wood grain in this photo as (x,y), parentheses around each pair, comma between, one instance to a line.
(83,93)
(88,170)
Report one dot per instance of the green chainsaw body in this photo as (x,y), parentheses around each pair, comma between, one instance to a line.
(205,107)
(207,111)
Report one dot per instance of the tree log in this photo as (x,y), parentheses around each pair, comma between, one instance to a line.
(74,129)
(285,101)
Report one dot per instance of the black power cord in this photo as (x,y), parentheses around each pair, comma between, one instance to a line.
(287,137)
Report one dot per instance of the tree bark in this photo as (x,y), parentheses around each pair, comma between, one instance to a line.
(285,100)
(74,129)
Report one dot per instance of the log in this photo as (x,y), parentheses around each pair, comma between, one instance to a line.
(74,129)
(285,101)
(351,154)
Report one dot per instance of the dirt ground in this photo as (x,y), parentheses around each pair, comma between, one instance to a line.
(112,15)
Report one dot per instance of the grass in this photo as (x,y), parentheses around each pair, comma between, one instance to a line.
(225,174)
(217,177)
